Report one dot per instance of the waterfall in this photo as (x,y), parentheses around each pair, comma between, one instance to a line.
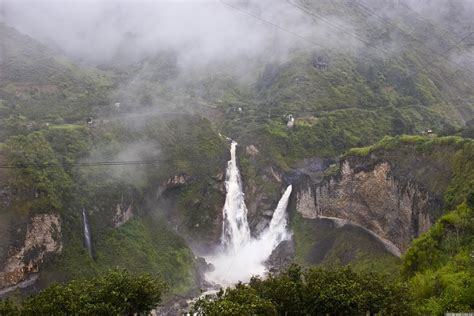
(241,256)
(277,230)
(235,228)
(87,232)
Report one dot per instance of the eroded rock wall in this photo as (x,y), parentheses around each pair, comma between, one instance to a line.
(395,210)
(43,239)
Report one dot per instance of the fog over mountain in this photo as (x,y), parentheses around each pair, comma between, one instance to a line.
(200,31)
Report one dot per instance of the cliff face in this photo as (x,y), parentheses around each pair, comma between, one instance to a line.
(395,210)
(181,199)
(43,239)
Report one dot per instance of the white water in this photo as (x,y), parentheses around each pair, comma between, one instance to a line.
(87,233)
(235,228)
(241,256)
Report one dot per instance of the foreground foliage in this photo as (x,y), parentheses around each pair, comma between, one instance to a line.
(115,293)
(312,292)
(440,264)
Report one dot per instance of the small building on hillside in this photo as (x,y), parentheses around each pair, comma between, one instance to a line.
(290,121)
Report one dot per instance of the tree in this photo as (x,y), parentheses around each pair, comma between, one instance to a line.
(115,293)
(243,300)
(7,308)
(38,168)
(316,291)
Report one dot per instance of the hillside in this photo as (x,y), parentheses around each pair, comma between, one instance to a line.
(373,130)
(38,85)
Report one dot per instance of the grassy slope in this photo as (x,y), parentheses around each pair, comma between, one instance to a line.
(362,96)
(42,85)
(440,266)
(319,242)
(144,244)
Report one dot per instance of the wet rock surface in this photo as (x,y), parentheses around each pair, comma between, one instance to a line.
(282,256)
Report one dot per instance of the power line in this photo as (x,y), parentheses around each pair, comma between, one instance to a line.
(422,18)
(326,21)
(389,22)
(459,42)
(306,10)
(272,24)
(94,163)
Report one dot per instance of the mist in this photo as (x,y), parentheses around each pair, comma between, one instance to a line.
(199,32)
(99,31)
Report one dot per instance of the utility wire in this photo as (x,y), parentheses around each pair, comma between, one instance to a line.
(272,24)
(330,23)
(306,10)
(459,42)
(384,20)
(422,18)
(94,163)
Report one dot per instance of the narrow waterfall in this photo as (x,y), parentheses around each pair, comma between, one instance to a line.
(277,230)
(87,232)
(241,256)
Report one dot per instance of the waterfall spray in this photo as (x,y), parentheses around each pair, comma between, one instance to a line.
(87,232)
(241,256)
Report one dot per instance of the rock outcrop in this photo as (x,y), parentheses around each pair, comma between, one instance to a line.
(176,181)
(43,239)
(122,215)
(396,211)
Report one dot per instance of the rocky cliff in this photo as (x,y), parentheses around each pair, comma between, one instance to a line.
(374,199)
(395,193)
(42,240)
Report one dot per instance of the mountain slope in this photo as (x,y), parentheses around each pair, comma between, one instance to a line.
(40,84)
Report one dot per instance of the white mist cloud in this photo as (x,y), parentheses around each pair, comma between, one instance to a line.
(199,31)
(99,30)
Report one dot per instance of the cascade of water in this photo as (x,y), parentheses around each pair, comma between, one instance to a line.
(235,229)
(87,233)
(241,256)
(277,230)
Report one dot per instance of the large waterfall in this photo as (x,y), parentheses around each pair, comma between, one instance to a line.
(235,228)
(241,256)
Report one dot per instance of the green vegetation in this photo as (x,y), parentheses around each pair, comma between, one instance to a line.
(440,264)
(437,277)
(46,180)
(43,87)
(444,165)
(318,242)
(50,184)
(195,149)
(142,245)
(358,99)
(312,292)
(115,293)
